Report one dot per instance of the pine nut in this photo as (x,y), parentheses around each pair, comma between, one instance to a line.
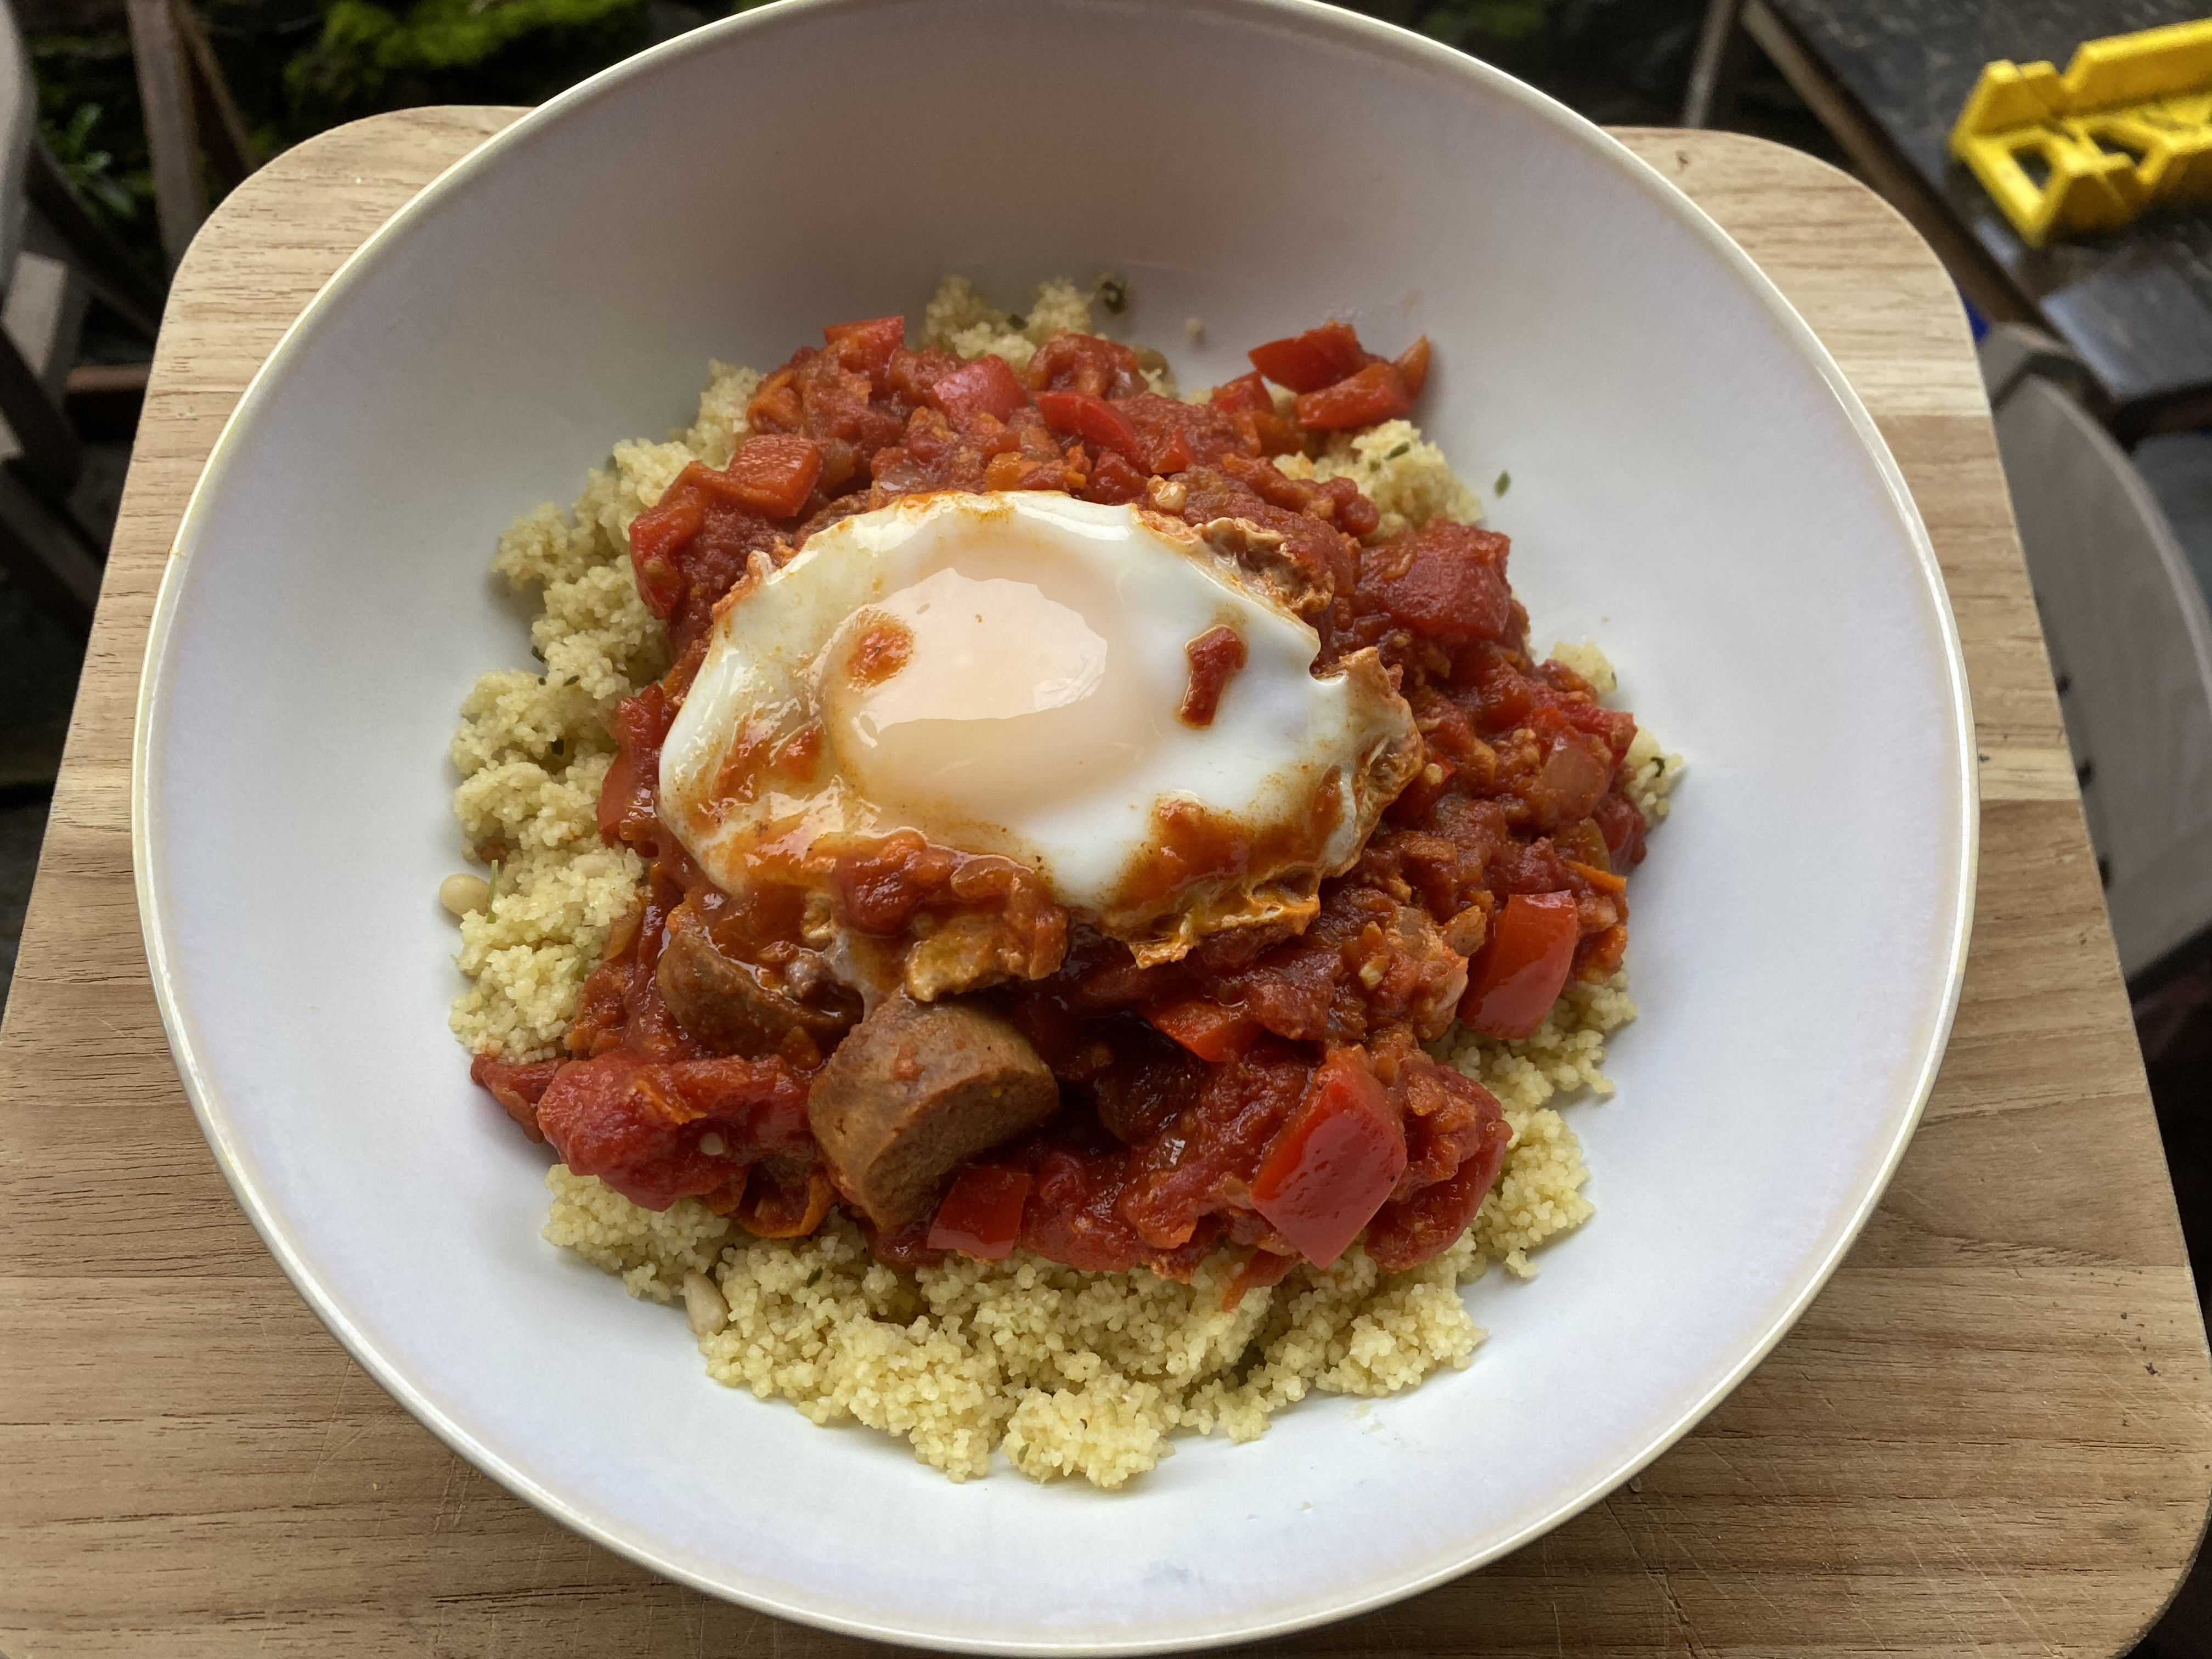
(704,1305)
(461,893)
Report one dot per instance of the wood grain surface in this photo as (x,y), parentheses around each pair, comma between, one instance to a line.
(1991,1434)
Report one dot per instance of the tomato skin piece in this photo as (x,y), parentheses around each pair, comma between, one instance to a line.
(1376,393)
(1213,1032)
(986,387)
(1336,1163)
(772,474)
(1093,420)
(1524,967)
(1306,362)
(981,1215)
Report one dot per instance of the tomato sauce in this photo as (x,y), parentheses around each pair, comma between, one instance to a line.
(1265,1093)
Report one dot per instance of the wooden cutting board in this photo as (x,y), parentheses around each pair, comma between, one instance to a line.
(1992,1432)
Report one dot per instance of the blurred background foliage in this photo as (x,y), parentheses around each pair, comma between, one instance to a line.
(298,67)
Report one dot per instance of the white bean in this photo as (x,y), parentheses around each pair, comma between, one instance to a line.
(704,1305)
(463,893)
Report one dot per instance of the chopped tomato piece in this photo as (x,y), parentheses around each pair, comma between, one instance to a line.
(986,387)
(866,347)
(1376,393)
(1408,1232)
(1262,1270)
(1113,481)
(1413,366)
(1216,657)
(629,799)
(1523,967)
(517,1087)
(981,1216)
(1206,1029)
(1334,1163)
(1093,420)
(1306,362)
(772,474)
(1623,825)
(657,533)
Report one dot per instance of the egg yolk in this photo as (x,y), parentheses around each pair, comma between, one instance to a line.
(975,692)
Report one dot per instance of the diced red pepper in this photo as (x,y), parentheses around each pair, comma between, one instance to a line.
(1306,362)
(981,1216)
(1093,420)
(1523,967)
(866,347)
(1247,393)
(1376,393)
(1334,1163)
(1206,1028)
(986,387)
(771,474)
(1413,366)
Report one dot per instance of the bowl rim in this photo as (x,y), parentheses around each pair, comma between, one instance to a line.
(1311,19)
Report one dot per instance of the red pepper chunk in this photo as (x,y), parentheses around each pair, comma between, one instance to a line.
(772,474)
(1334,1163)
(1247,392)
(986,387)
(1376,393)
(1413,366)
(1523,967)
(1306,362)
(981,1215)
(1206,1029)
(1093,420)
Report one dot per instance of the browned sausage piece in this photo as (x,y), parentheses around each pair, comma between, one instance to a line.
(730,1005)
(916,1090)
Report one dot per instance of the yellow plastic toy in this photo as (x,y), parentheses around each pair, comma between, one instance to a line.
(2128,126)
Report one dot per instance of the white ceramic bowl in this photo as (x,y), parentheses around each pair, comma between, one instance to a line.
(1693,483)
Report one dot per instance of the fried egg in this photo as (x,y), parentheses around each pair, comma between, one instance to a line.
(1013,674)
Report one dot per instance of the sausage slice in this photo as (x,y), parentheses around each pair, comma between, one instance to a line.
(916,1090)
(730,1005)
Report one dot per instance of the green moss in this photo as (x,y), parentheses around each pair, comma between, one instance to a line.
(516,52)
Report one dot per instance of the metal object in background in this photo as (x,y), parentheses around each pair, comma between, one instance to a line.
(2130,642)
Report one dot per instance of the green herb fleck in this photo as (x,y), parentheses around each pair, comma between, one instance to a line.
(1113,294)
(1404,448)
(573,679)
(535,652)
(1504,482)
(1015,319)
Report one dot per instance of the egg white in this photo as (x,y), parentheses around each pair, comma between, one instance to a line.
(1076,741)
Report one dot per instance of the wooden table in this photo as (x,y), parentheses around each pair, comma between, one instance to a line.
(1991,1433)
(1888,78)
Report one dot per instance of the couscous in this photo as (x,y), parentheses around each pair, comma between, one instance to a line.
(922,1135)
